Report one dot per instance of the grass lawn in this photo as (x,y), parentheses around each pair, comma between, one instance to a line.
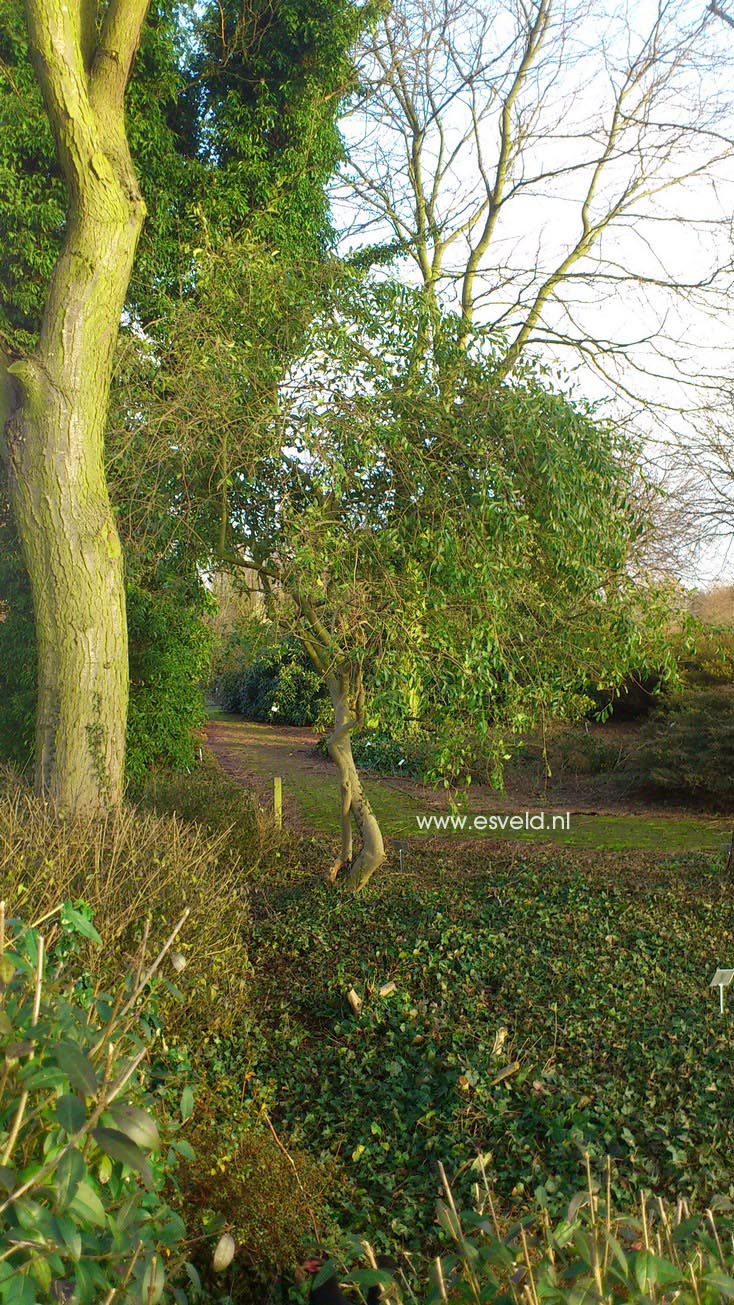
(310,787)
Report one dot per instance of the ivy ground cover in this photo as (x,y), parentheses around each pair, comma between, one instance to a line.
(542,1009)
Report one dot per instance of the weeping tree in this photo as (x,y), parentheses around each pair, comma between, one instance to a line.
(450,545)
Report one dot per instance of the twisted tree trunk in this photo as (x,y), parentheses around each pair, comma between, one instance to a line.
(55,405)
(354,803)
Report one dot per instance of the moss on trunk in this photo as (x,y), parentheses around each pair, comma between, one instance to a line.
(55,405)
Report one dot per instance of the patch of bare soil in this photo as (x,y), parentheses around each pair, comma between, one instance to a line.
(252,754)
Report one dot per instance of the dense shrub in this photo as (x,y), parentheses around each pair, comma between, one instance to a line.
(563,749)
(232,654)
(208,797)
(687,751)
(170,652)
(706,656)
(577,749)
(634,699)
(248,844)
(385,755)
(81,1207)
(132,865)
(270,1199)
(277,685)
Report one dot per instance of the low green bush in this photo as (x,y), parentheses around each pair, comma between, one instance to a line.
(575,749)
(271,1199)
(634,699)
(237,649)
(208,797)
(687,750)
(270,683)
(82,1166)
(706,655)
(385,755)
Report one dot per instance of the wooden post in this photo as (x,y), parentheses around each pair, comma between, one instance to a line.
(278,802)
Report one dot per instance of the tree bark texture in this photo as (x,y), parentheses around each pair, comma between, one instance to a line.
(57,400)
(354,803)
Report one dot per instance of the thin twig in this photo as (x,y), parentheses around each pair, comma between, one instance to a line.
(23,1102)
(292,1164)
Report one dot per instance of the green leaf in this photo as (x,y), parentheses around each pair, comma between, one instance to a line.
(187,1103)
(651,1269)
(721,1282)
(68,1174)
(69,1236)
(154,1281)
(45,1076)
(86,1206)
(34,1218)
(192,1274)
(136,1124)
(77,923)
(78,1069)
(327,1270)
(41,1272)
(70,1112)
(183,1148)
(119,1147)
(371,1278)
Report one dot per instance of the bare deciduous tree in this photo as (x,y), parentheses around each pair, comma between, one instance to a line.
(550,165)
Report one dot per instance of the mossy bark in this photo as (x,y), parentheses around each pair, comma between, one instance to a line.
(56,400)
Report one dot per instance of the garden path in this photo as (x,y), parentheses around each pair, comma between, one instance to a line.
(253,754)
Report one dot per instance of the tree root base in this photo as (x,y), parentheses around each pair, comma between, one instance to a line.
(358,873)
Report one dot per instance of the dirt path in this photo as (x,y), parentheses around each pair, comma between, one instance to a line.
(253,754)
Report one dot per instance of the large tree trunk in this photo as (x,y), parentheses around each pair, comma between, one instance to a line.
(354,803)
(57,400)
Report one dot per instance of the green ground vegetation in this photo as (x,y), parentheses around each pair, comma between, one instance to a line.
(543,1009)
(548,1005)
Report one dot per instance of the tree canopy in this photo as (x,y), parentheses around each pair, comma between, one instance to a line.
(450,544)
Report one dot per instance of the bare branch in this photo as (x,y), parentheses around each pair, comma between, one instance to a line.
(528,156)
